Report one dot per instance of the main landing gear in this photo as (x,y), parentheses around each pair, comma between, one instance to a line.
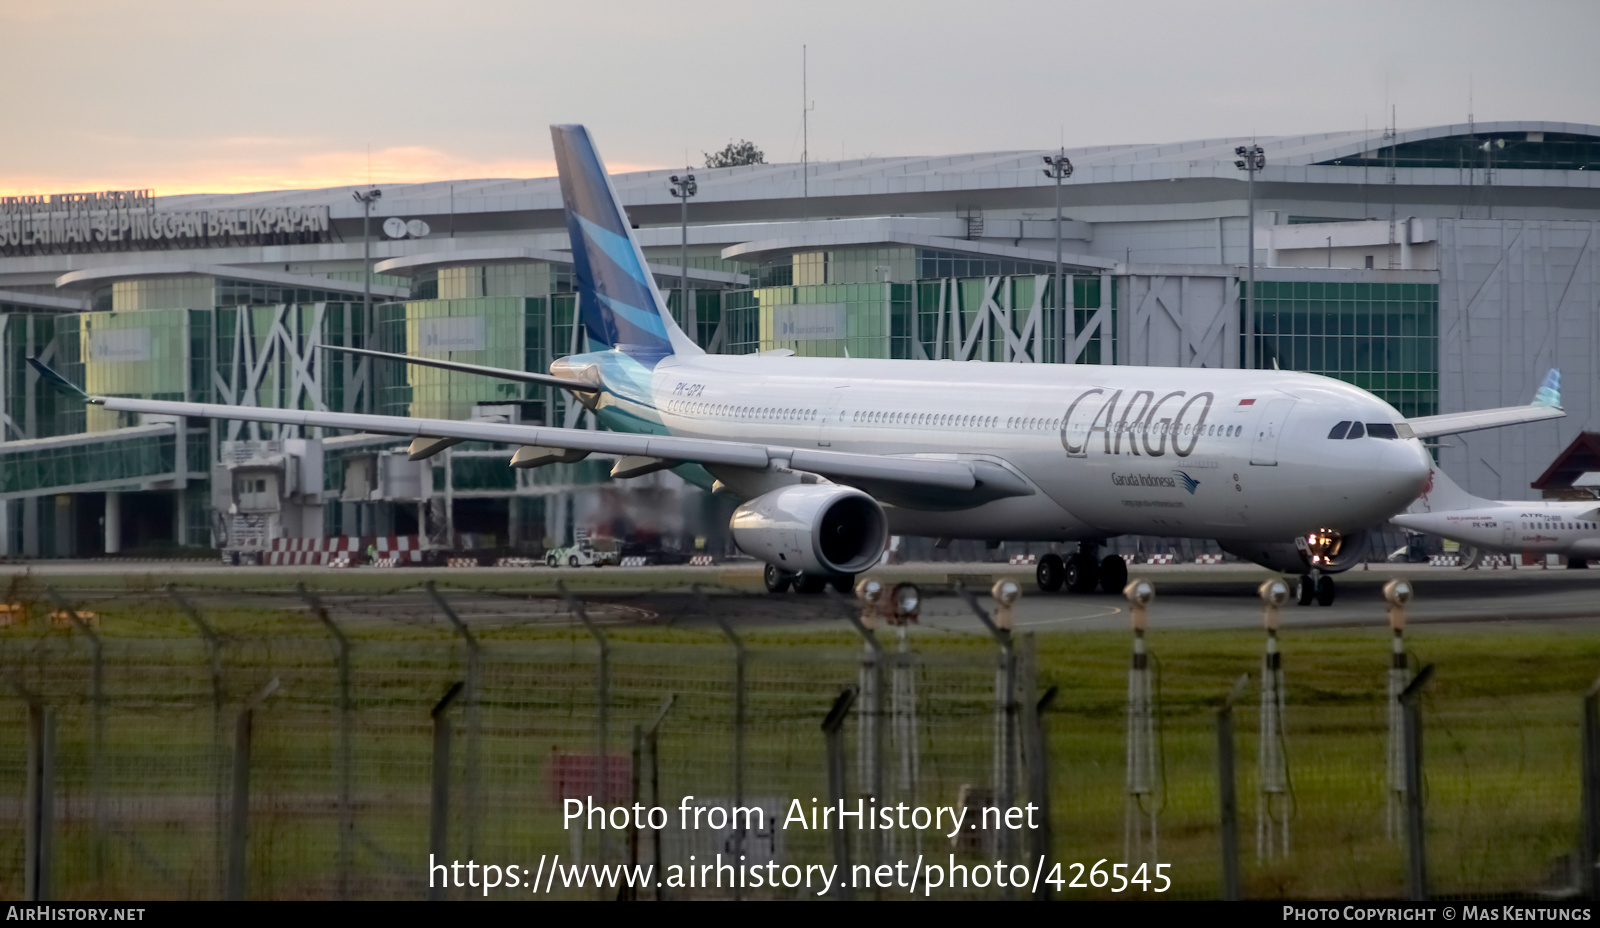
(1081,572)
(1315,586)
(778,580)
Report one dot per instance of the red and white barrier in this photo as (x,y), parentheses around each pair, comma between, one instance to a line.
(1021,560)
(1208,559)
(700,560)
(1168,558)
(400,549)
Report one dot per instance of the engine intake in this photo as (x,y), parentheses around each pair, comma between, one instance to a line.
(812,528)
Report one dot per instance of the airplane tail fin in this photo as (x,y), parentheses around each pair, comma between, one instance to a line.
(617,296)
(1549,393)
(1444,495)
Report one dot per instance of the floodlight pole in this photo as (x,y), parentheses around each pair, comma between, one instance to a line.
(683,188)
(366,200)
(1251,160)
(1059,167)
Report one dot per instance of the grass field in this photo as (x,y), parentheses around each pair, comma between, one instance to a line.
(1501,745)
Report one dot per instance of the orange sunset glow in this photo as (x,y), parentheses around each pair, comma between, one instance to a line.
(245,173)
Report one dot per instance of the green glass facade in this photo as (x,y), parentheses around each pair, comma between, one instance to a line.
(516,332)
(1381,337)
(818,312)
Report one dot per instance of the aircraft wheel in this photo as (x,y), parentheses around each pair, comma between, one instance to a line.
(1305,591)
(550,561)
(1113,573)
(1325,591)
(809,583)
(1083,574)
(1052,570)
(776,579)
(844,583)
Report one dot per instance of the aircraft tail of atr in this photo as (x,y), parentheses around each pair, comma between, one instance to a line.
(1444,495)
(617,296)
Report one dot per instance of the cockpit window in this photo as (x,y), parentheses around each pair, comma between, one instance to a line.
(1340,429)
(1356,431)
(1381,430)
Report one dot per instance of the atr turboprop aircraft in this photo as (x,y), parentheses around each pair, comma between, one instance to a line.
(1567,528)
(832,455)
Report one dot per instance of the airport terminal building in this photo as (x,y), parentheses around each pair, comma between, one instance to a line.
(1443,268)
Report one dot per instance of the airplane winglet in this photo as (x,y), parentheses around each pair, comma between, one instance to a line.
(1550,391)
(60,383)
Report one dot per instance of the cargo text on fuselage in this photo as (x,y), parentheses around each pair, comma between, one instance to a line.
(1141,425)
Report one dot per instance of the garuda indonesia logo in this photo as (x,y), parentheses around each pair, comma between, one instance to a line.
(1189,483)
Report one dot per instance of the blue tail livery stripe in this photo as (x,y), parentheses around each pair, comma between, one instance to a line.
(618,299)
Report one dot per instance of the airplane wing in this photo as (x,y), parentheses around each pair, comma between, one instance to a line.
(499,373)
(1457,422)
(1546,405)
(981,480)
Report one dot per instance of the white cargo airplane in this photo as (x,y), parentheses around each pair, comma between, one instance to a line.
(1568,528)
(831,455)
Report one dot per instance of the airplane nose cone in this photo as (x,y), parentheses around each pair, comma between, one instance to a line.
(1404,470)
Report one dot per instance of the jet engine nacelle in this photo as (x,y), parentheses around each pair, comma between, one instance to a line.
(812,528)
(1331,555)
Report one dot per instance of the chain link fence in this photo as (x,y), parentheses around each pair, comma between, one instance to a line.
(282,745)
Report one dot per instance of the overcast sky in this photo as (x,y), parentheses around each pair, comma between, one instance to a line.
(188,96)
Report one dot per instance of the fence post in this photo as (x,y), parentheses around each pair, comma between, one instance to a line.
(1228,797)
(628,892)
(347,824)
(836,784)
(1142,779)
(1589,841)
(238,832)
(1272,763)
(869,594)
(39,802)
(97,730)
(439,806)
(1397,593)
(1038,754)
(470,776)
(602,733)
(738,718)
(214,656)
(1005,708)
(1416,836)
(652,743)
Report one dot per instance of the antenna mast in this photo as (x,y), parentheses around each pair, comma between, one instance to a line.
(1392,137)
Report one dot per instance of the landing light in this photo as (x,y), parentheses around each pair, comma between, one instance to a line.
(1397,592)
(1322,545)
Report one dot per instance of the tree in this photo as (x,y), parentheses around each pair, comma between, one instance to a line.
(736,154)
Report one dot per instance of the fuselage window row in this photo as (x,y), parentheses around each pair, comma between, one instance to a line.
(1164,428)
